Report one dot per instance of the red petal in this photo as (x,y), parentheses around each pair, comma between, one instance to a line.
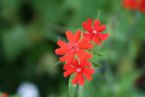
(84,44)
(77,36)
(80,79)
(142,6)
(85,63)
(61,43)
(69,36)
(75,80)
(69,67)
(87,25)
(96,24)
(104,36)
(97,40)
(60,51)
(87,36)
(88,70)
(88,76)
(84,55)
(67,57)
(101,28)
(68,72)
(130,4)
(75,63)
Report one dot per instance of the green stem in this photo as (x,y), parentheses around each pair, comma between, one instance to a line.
(76,91)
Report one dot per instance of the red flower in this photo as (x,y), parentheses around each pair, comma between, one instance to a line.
(142,5)
(94,32)
(80,70)
(134,5)
(4,95)
(130,4)
(75,46)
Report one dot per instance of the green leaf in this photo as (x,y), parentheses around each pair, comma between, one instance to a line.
(96,65)
(101,53)
(72,88)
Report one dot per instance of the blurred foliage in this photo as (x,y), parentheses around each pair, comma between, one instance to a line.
(29,30)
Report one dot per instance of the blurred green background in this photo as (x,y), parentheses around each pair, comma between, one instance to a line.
(29,30)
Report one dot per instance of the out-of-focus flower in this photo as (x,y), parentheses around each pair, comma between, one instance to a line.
(28,90)
(142,6)
(75,46)
(4,95)
(94,32)
(130,4)
(82,70)
(134,5)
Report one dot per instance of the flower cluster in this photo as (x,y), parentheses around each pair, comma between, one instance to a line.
(74,52)
(134,5)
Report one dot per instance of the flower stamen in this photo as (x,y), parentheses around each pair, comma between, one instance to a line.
(78,69)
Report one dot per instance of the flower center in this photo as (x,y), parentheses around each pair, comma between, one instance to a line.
(73,46)
(78,69)
(95,31)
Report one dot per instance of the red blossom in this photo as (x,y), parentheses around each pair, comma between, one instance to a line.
(75,46)
(130,4)
(94,32)
(4,95)
(134,5)
(142,6)
(81,71)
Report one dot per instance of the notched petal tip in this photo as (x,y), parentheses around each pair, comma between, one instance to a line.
(87,25)
(89,21)
(69,36)
(59,51)
(61,43)
(77,36)
(104,37)
(101,28)
(61,59)
(66,74)
(96,24)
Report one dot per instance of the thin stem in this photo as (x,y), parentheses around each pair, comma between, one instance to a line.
(76,92)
